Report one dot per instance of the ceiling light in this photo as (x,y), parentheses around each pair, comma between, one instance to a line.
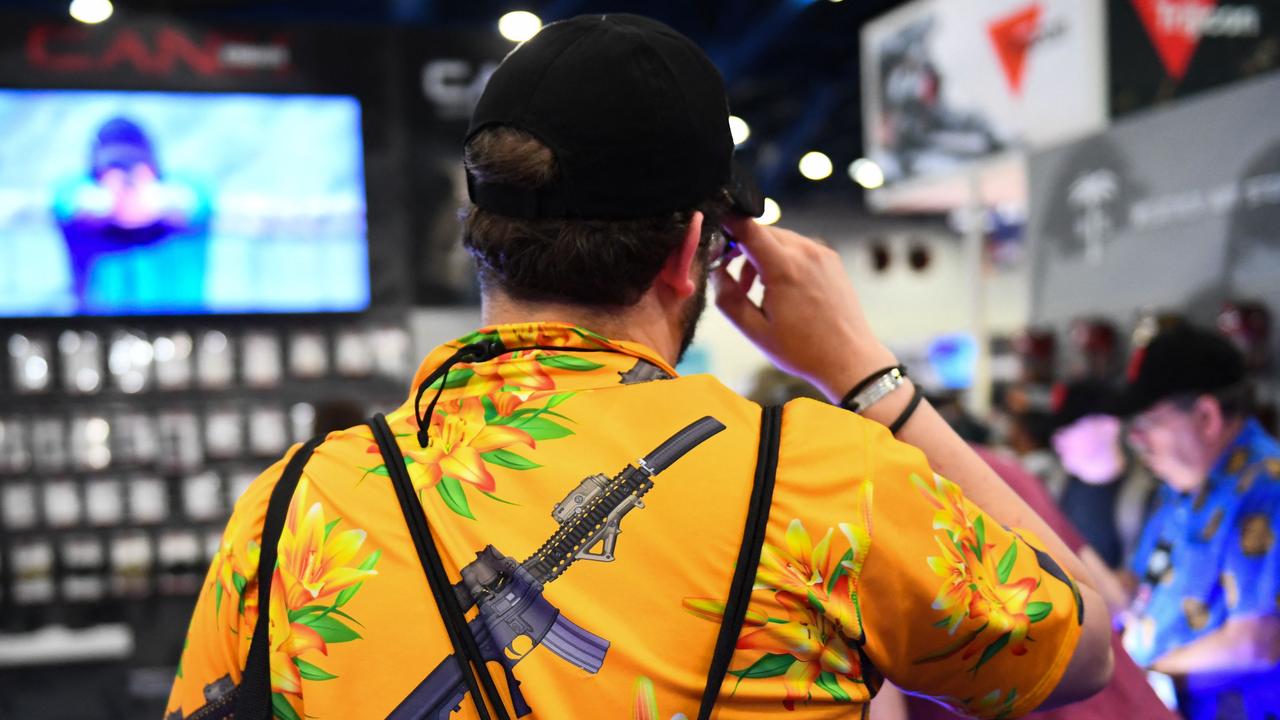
(772,213)
(739,129)
(519,25)
(91,11)
(815,166)
(866,173)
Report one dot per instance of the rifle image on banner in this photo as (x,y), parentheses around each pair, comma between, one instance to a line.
(514,616)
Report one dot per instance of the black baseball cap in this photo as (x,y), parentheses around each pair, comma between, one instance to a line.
(635,113)
(1180,361)
(1081,398)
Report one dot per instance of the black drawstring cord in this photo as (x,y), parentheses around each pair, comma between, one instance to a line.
(475,352)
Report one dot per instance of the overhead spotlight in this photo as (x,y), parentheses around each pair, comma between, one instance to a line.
(91,11)
(519,25)
(866,173)
(815,166)
(739,129)
(772,213)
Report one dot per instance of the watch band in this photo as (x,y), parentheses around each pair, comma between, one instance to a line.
(874,389)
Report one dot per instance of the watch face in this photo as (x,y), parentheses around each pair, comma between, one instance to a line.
(308,355)
(238,482)
(29,368)
(173,357)
(181,448)
(134,440)
(129,362)
(261,360)
(14,456)
(104,502)
(267,432)
(215,367)
(392,352)
(131,556)
(353,355)
(19,504)
(90,447)
(302,421)
(49,444)
(148,500)
(202,496)
(83,563)
(62,504)
(81,354)
(179,557)
(33,571)
(224,433)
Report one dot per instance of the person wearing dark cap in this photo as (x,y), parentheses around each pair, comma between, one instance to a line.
(1088,442)
(774,561)
(1206,610)
(136,239)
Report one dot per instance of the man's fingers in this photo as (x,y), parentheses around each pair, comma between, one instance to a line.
(747,277)
(734,303)
(759,244)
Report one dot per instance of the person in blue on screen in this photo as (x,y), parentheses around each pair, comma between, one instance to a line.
(137,239)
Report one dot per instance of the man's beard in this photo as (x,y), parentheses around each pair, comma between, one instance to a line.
(691,314)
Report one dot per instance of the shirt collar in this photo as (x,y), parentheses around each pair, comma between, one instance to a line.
(1238,452)
(549,338)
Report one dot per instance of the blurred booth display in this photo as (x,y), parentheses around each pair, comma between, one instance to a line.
(1177,209)
(947,86)
(161,203)
(1164,50)
(289,202)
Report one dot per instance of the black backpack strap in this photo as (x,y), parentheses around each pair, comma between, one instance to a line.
(744,574)
(253,701)
(465,650)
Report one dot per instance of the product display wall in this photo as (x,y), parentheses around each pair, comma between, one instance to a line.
(243,170)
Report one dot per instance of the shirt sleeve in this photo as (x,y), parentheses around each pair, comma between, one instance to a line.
(1251,573)
(956,607)
(226,611)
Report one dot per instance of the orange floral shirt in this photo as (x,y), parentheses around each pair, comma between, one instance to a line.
(873,566)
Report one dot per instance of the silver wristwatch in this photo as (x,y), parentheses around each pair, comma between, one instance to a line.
(878,390)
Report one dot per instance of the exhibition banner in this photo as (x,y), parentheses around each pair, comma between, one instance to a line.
(949,83)
(1175,210)
(1162,50)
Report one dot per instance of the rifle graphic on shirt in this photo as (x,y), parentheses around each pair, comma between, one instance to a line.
(514,616)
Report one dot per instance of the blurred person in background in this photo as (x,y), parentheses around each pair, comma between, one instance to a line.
(1103,495)
(600,170)
(1206,611)
(136,237)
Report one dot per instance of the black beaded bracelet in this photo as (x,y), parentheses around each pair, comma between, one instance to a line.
(866,382)
(916,396)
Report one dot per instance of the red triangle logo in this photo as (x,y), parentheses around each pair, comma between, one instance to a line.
(1012,35)
(1174,27)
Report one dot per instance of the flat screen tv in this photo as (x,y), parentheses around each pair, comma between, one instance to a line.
(162,203)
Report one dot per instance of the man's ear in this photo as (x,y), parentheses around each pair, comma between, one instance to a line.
(1208,416)
(680,270)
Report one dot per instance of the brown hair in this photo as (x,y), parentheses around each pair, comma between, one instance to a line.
(575,261)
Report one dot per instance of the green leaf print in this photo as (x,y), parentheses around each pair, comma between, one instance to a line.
(330,628)
(454,496)
(1006,562)
(508,459)
(281,708)
(827,681)
(992,649)
(1038,611)
(568,362)
(771,665)
(311,672)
